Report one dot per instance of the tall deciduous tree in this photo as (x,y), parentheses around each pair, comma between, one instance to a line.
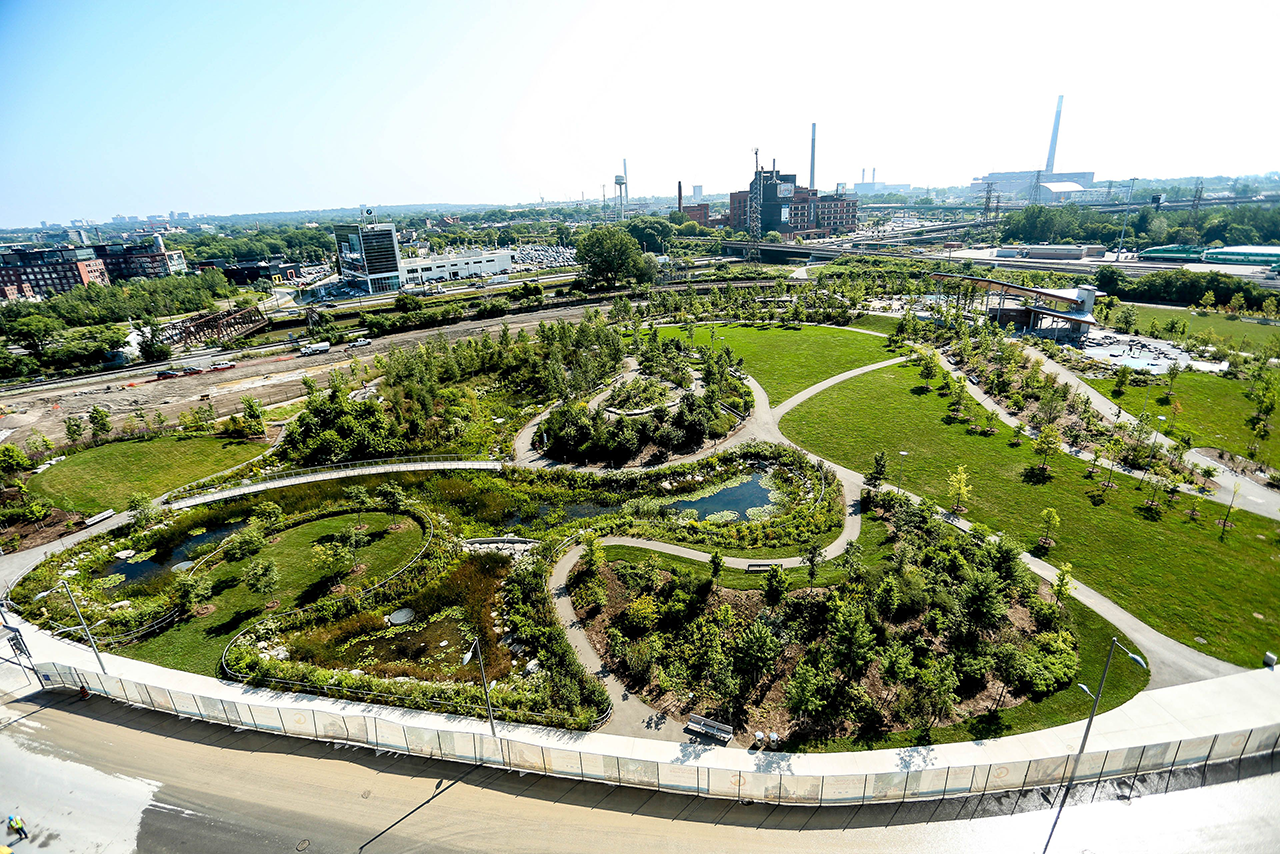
(608,254)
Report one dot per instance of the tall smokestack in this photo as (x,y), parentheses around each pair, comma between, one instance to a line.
(873,174)
(813,153)
(680,196)
(864,174)
(1053,140)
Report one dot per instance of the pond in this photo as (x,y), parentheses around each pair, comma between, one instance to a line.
(739,499)
(160,561)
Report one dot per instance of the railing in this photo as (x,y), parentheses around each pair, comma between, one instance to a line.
(289,474)
(769,778)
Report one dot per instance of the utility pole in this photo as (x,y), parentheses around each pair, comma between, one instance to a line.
(986,202)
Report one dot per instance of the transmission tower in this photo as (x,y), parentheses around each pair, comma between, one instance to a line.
(754,207)
(998,196)
(1195,203)
(1035,190)
(986,202)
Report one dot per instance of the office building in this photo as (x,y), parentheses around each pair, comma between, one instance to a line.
(784,207)
(369,256)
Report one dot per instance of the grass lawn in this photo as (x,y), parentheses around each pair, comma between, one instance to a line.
(1214,409)
(786,361)
(876,323)
(1220,323)
(1124,680)
(196,644)
(874,539)
(104,477)
(1172,572)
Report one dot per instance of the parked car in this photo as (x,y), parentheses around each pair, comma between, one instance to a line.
(359,342)
(191,370)
(222,366)
(329,305)
(167,375)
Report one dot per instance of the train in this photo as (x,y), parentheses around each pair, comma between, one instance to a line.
(1256,256)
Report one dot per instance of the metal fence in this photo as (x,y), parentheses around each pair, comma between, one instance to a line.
(318,472)
(771,782)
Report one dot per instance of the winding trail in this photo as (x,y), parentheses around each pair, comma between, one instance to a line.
(1171,663)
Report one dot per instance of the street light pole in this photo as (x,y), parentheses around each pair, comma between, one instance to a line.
(484,683)
(87,633)
(1115,642)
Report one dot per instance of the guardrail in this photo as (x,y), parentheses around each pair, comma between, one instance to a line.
(289,474)
(769,779)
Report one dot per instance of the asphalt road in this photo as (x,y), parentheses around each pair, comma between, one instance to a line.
(97,777)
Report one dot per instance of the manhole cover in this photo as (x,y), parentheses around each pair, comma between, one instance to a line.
(304,845)
(400,617)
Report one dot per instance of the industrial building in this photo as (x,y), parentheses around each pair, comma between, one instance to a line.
(786,207)
(369,258)
(1031,183)
(467,264)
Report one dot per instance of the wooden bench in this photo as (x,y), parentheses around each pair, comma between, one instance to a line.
(760,567)
(715,729)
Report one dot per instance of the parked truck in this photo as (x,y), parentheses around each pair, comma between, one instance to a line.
(316,349)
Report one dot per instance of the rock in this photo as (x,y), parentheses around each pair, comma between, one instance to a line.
(444,643)
(69,573)
(357,672)
(121,605)
(125,554)
(532,666)
(262,644)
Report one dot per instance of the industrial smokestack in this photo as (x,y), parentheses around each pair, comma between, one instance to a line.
(813,153)
(1053,140)
(873,174)
(864,174)
(680,196)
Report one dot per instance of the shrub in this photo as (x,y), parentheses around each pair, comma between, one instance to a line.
(245,542)
(640,617)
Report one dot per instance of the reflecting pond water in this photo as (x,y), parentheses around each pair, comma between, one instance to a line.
(739,499)
(161,561)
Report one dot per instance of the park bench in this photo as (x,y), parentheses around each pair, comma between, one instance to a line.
(715,729)
(759,567)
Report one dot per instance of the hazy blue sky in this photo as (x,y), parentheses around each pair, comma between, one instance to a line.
(230,106)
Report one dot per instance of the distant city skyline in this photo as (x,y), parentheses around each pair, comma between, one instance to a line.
(141,108)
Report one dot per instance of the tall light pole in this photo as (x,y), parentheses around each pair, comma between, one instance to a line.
(466,659)
(92,643)
(1096,698)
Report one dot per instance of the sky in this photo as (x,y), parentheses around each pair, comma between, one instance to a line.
(229,106)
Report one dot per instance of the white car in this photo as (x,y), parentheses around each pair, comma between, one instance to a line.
(359,342)
(222,366)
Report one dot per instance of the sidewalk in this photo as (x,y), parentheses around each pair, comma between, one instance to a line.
(1225,705)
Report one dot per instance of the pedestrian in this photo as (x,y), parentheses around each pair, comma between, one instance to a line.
(15,824)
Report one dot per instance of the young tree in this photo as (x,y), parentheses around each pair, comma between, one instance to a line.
(804,699)
(717,566)
(268,513)
(393,498)
(879,470)
(1172,374)
(75,429)
(1111,450)
(1047,444)
(254,415)
(99,422)
(38,444)
(1050,521)
(262,576)
(12,459)
(958,489)
(813,560)
(1123,374)
(930,367)
(189,590)
(1062,584)
(359,497)
(775,584)
(330,559)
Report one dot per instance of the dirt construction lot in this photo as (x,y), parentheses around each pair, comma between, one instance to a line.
(272,380)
